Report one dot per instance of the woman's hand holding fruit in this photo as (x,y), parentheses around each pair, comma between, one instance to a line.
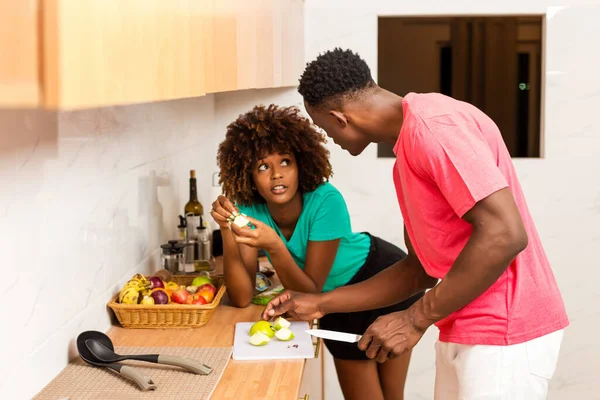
(260,236)
(222,211)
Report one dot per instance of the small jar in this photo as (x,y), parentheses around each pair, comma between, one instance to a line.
(171,257)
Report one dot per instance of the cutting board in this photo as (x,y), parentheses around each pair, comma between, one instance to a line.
(300,346)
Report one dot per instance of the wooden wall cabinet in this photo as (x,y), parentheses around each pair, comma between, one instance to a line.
(61,54)
(19,54)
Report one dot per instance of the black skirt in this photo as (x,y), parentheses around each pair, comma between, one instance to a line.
(381,256)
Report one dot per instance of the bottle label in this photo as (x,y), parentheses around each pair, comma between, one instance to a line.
(193,222)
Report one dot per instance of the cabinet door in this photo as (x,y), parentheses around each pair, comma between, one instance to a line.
(110,52)
(222,46)
(292,42)
(311,387)
(19,63)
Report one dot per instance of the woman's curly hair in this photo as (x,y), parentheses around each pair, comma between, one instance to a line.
(267,130)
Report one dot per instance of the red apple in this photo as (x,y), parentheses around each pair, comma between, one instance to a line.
(180,296)
(196,300)
(207,294)
(208,286)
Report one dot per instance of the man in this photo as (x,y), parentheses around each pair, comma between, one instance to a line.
(498,308)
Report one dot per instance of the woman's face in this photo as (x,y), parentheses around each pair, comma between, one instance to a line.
(276,178)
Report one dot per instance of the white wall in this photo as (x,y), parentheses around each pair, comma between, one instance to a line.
(86,199)
(563,190)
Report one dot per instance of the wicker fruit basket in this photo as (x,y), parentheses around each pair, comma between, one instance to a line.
(170,315)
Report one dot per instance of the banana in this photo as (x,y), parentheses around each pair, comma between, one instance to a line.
(141,279)
(137,284)
(130,296)
(133,284)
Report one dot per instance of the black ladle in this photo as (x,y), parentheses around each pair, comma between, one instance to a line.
(144,382)
(102,348)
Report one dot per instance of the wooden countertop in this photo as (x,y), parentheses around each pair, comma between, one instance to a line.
(277,379)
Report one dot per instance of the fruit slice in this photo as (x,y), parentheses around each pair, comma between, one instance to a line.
(284,334)
(259,339)
(281,323)
(263,327)
(241,221)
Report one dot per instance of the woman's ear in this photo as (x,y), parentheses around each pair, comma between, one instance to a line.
(340,117)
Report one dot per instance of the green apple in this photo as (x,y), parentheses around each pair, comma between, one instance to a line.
(284,334)
(201,280)
(263,327)
(259,339)
(281,323)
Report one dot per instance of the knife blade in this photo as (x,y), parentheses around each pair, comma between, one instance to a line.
(334,335)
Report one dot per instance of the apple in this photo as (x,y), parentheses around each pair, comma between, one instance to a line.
(196,300)
(180,295)
(263,327)
(207,294)
(201,280)
(209,287)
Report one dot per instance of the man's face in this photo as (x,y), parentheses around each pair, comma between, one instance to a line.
(343,133)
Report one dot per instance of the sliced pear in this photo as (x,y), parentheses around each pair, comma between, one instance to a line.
(241,221)
(284,334)
(281,323)
(259,339)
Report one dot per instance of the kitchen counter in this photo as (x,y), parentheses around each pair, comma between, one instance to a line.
(276,379)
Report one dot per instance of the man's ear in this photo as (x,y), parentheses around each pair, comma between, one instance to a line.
(340,117)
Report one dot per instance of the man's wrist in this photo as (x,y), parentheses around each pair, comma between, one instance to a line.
(325,302)
(422,313)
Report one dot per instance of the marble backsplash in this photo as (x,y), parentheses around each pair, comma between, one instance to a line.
(87,198)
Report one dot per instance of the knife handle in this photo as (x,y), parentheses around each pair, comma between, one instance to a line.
(318,342)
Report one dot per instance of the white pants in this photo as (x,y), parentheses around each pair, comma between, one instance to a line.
(517,372)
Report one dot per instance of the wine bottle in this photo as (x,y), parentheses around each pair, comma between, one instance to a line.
(193,209)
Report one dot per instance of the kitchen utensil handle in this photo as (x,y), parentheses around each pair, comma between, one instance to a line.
(153,358)
(145,383)
(191,365)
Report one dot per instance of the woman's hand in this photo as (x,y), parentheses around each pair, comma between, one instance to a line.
(261,236)
(221,210)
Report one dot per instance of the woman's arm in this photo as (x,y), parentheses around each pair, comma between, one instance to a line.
(239,268)
(319,260)
(320,256)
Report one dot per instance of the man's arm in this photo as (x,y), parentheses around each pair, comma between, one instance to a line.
(391,286)
(498,237)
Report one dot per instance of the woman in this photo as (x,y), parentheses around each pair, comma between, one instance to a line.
(275,168)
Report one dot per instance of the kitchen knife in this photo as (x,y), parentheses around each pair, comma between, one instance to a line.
(333,335)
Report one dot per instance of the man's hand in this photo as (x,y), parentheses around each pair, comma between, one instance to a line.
(300,306)
(391,336)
